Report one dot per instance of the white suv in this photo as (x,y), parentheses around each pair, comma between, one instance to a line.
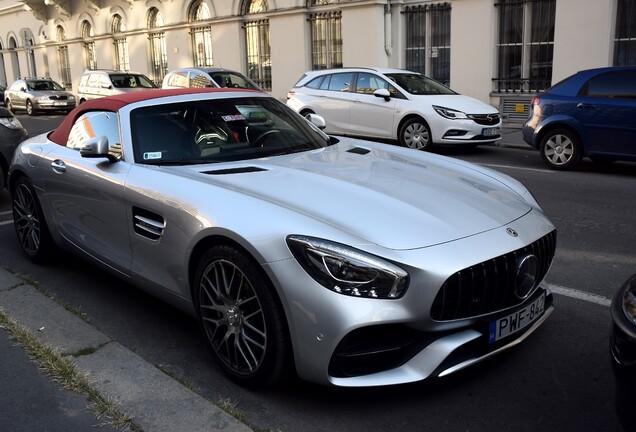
(395,104)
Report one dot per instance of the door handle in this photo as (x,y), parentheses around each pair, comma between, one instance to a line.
(58,166)
(582,105)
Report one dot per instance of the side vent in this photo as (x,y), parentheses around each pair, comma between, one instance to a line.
(359,150)
(239,170)
(148,224)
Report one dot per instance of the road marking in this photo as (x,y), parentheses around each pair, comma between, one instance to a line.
(580,295)
(6,222)
(6,212)
(518,168)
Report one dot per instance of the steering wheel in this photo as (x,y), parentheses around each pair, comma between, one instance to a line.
(258,141)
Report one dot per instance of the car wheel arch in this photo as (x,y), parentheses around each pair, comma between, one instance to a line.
(416,117)
(567,126)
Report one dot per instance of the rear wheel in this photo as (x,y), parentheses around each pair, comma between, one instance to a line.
(561,149)
(241,317)
(416,134)
(29,223)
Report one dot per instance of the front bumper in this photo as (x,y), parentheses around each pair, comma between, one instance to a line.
(466,132)
(53,105)
(325,327)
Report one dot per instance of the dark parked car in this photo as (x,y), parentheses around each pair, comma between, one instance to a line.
(11,134)
(623,349)
(590,113)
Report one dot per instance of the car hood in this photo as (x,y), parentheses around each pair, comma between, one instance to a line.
(459,102)
(51,93)
(379,195)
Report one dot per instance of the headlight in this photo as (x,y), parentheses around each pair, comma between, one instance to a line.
(10,122)
(346,270)
(449,113)
(629,302)
(71,98)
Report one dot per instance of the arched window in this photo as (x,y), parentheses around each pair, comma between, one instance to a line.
(13,55)
(158,50)
(326,35)
(63,63)
(90,58)
(201,35)
(259,64)
(122,61)
(3,72)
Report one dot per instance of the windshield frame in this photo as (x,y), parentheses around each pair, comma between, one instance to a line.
(225,127)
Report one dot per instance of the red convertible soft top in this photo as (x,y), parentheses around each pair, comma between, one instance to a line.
(115,103)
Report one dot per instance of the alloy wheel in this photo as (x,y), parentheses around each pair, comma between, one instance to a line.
(232,317)
(25,216)
(559,149)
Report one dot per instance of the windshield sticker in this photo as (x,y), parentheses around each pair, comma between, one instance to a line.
(152,155)
(236,117)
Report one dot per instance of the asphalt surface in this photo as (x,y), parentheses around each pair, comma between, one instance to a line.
(31,401)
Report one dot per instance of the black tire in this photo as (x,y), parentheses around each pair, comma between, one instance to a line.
(561,149)
(241,317)
(28,221)
(29,108)
(415,134)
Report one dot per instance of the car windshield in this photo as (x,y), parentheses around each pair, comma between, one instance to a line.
(220,130)
(229,79)
(419,84)
(131,81)
(44,85)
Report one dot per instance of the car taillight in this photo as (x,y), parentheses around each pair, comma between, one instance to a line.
(290,94)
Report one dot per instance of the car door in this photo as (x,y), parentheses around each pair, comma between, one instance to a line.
(606,107)
(369,114)
(333,102)
(86,195)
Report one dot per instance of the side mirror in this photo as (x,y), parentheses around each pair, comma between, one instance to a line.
(383,93)
(97,148)
(316,120)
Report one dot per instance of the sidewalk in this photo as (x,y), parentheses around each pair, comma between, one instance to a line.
(32,402)
(511,137)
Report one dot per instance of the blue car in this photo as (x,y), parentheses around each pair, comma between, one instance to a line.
(589,114)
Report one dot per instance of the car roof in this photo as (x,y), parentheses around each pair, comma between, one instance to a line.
(203,69)
(116,102)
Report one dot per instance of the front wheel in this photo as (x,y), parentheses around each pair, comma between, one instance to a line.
(561,149)
(241,317)
(29,223)
(29,108)
(416,134)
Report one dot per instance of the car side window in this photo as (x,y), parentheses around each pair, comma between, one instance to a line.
(341,82)
(96,124)
(199,80)
(367,83)
(178,79)
(325,83)
(615,85)
(93,80)
(314,83)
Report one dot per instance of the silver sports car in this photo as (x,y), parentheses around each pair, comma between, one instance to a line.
(348,262)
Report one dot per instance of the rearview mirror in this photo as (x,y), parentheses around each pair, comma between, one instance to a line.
(97,147)
(383,93)
(316,120)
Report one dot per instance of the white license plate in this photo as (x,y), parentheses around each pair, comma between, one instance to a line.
(517,320)
(59,103)
(491,131)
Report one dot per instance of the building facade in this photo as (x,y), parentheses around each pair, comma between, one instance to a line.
(499,51)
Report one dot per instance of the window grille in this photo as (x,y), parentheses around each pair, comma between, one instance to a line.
(625,36)
(326,39)
(122,59)
(90,57)
(525,45)
(63,62)
(158,50)
(201,36)
(259,66)
(428,40)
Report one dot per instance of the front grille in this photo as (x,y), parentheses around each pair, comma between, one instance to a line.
(489,286)
(55,97)
(485,119)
